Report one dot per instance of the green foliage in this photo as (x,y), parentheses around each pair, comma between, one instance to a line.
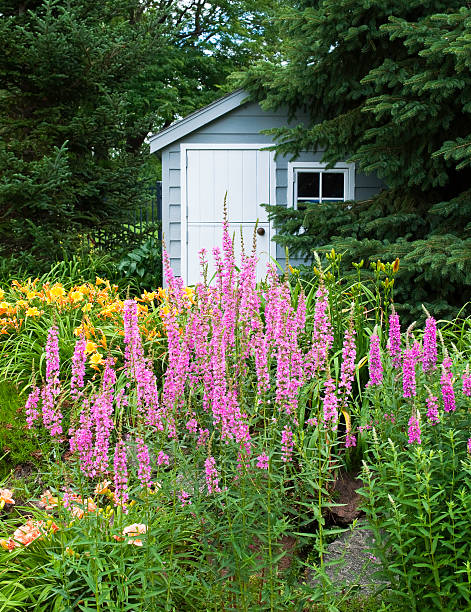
(17,445)
(82,85)
(400,109)
(143,264)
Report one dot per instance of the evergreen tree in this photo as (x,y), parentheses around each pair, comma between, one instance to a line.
(387,84)
(82,83)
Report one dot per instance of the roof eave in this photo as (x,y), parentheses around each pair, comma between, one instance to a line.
(196,120)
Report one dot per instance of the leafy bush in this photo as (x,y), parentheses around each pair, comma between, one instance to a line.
(143,264)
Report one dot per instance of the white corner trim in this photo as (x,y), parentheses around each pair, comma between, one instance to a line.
(293,166)
(184,147)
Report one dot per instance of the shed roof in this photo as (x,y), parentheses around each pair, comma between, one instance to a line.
(197,119)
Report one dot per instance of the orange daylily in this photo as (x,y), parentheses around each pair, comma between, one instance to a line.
(133,530)
(102,487)
(6,497)
(27,533)
(48,501)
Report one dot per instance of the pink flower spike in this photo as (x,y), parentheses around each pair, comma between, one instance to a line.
(467,382)
(432,409)
(330,404)
(52,416)
(262,461)
(411,356)
(212,479)
(374,361)
(163,459)
(184,498)
(350,440)
(469,445)
(287,444)
(143,458)
(446,380)
(414,430)
(394,343)
(121,476)
(79,360)
(31,407)
(429,357)
(347,372)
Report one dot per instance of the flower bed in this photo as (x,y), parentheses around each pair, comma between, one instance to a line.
(178,476)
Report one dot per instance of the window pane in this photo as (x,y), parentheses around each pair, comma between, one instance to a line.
(333,184)
(308,184)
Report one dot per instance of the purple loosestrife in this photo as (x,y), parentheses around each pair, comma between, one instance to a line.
(322,338)
(81,441)
(143,458)
(203,437)
(287,444)
(467,382)
(211,474)
(414,430)
(262,461)
(330,404)
(133,352)
(79,360)
(52,416)
(120,478)
(394,342)
(102,413)
(289,359)
(432,409)
(469,446)
(31,407)
(429,356)
(411,357)
(184,498)
(347,370)
(446,381)
(350,440)
(229,289)
(163,459)
(374,361)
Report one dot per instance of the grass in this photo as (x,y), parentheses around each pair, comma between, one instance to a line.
(21,451)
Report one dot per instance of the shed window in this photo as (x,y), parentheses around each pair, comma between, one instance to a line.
(318,185)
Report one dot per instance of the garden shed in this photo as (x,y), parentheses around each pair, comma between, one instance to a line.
(220,149)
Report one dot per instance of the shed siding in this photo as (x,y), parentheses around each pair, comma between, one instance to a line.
(240,126)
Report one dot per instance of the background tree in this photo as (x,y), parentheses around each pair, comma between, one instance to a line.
(387,85)
(82,83)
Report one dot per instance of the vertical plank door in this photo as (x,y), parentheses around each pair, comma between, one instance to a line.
(246,175)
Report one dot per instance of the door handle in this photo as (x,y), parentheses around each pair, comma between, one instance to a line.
(261,231)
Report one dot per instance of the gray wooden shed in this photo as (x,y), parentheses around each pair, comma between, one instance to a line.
(220,149)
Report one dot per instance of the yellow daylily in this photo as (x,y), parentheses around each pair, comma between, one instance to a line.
(76,296)
(33,312)
(57,291)
(96,359)
(148,296)
(4,307)
(91,346)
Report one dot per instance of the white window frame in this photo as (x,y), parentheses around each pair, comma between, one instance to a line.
(347,169)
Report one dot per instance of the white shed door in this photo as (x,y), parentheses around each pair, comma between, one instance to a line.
(246,176)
